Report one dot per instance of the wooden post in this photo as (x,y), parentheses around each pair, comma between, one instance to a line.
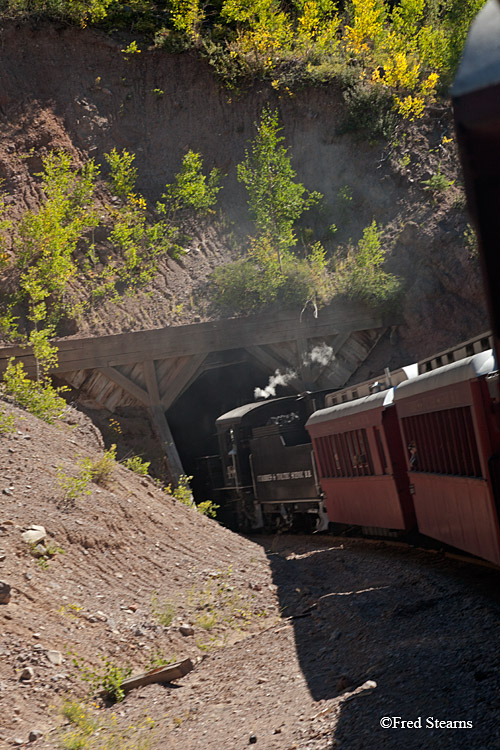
(160,424)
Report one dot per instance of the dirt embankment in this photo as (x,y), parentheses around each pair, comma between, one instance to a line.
(298,642)
(74,89)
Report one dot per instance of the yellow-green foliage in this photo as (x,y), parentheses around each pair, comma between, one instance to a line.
(182,493)
(409,48)
(73,487)
(274,270)
(360,274)
(163,610)
(38,397)
(54,261)
(219,604)
(101,469)
(87,728)
(45,241)
(107,679)
(137,465)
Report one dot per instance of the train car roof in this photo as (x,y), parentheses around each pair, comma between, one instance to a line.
(236,415)
(456,372)
(480,65)
(374,400)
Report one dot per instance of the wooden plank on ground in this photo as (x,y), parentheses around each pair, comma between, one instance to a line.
(162,674)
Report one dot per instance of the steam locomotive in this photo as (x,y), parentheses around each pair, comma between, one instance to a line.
(269,472)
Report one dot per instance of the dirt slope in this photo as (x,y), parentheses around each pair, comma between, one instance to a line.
(129,551)
(298,642)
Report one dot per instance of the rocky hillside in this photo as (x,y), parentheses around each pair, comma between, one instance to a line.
(116,570)
(74,90)
(297,642)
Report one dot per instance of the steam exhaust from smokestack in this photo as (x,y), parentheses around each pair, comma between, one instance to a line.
(321,355)
(279,378)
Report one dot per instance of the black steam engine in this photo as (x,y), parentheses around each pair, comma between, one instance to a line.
(269,473)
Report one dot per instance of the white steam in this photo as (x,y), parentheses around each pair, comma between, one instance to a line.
(321,355)
(279,378)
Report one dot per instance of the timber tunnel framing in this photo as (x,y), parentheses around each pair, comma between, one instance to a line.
(156,369)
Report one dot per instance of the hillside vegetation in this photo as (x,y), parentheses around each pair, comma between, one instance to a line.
(381,50)
(108,227)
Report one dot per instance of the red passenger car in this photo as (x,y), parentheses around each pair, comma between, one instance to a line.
(447,418)
(361,462)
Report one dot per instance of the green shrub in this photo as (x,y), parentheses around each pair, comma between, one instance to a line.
(137,465)
(275,199)
(257,282)
(242,286)
(159,659)
(73,487)
(7,422)
(208,508)
(369,111)
(182,493)
(122,172)
(437,183)
(87,728)
(163,610)
(191,189)
(39,398)
(108,679)
(360,275)
(100,470)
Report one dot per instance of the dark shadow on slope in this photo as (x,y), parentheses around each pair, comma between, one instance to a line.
(422,627)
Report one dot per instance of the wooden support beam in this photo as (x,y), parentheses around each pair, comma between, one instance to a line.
(160,424)
(182,380)
(126,384)
(202,338)
(149,372)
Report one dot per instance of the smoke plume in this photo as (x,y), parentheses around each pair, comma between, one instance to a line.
(321,355)
(279,378)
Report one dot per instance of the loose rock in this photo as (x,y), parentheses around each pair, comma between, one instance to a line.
(5,590)
(34,534)
(34,735)
(185,629)
(27,674)
(55,657)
